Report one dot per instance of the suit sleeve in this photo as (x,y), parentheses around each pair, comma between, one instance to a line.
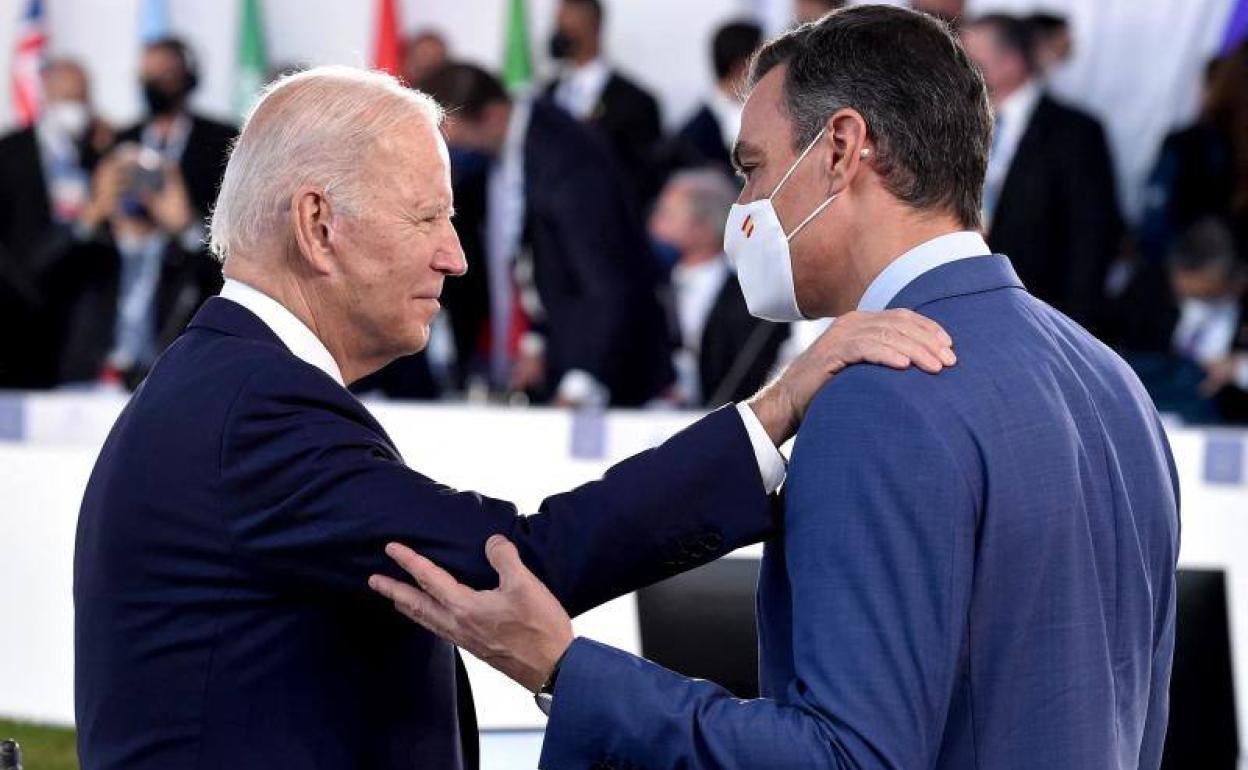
(878,534)
(1092,218)
(312,495)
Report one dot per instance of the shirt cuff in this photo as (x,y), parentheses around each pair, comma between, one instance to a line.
(580,387)
(770,461)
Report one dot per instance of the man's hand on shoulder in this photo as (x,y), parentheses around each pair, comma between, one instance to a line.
(895,338)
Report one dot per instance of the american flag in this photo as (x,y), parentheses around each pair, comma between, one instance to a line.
(31,42)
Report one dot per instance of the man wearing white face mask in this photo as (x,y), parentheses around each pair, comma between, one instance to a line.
(977,569)
(45,192)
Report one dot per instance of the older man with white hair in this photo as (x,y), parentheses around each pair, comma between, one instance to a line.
(244,495)
(724,352)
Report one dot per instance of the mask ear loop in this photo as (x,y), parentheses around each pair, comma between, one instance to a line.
(813,214)
(796,163)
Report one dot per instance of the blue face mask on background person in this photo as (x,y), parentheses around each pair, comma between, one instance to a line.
(758,248)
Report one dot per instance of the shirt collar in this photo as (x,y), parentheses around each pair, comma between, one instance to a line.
(901,272)
(1017,108)
(687,274)
(296,336)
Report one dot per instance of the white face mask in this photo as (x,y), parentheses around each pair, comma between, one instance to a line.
(758,248)
(70,118)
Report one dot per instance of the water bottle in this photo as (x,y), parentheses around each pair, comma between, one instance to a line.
(10,755)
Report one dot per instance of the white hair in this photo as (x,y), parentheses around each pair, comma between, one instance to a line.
(711,195)
(313,127)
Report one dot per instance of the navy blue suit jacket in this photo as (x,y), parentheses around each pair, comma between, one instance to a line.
(976,571)
(228,530)
(592,266)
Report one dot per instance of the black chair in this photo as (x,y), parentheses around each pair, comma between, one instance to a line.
(1202,731)
(701,624)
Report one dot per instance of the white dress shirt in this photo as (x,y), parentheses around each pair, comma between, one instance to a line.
(1012,119)
(505,210)
(301,341)
(727,111)
(695,289)
(307,347)
(914,263)
(580,88)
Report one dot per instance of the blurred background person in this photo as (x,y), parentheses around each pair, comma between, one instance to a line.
(949,11)
(1050,200)
(1202,170)
(1051,41)
(725,354)
(1210,283)
(592,90)
(45,192)
(157,187)
(424,53)
(814,10)
(707,137)
(570,285)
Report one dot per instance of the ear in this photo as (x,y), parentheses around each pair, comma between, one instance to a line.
(846,134)
(314,226)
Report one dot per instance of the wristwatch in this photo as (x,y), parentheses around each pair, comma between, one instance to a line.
(545,697)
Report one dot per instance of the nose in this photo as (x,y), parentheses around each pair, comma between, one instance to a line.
(449,259)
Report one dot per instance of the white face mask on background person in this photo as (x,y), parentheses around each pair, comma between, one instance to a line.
(70,118)
(758,247)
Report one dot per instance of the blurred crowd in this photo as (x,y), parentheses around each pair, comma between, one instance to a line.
(595,238)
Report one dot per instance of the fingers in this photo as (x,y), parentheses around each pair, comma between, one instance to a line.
(417,605)
(937,332)
(899,339)
(431,578)
(927,333)
(888,347)
(505,560)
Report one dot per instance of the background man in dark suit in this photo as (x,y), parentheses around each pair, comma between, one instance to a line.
(244,496)
(593,91)
(725,354)
(1050,197)
(159,186)
(46,213)
(588,286)
(707,137)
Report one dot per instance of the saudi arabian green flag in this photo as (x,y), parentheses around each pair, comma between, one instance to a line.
(517,63)
(253,60)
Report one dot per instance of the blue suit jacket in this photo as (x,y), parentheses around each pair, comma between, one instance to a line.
(228,531)
(976,571)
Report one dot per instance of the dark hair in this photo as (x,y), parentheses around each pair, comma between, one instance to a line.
(464,89)
(593,6)
(1012,34)
(1046,23)
(924,102)
(733,45)
(1226,109)
(1208,243)
(178,47)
